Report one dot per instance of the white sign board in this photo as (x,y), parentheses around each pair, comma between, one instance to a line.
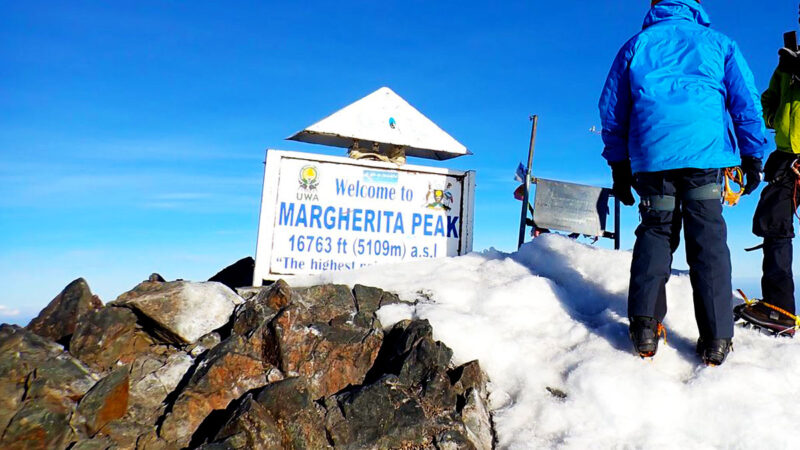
(325,213)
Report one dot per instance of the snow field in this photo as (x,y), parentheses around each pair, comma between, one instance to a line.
(554,315)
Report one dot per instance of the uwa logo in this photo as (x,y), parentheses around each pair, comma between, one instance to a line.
(309,181)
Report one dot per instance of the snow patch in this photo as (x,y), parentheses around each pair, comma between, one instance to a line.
(553,315)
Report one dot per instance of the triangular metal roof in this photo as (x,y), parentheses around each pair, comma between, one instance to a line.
(383,117)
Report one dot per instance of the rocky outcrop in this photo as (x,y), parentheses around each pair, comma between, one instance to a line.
(229,371)
(40,385)
(106,401)
(370,299)
(238,274)
(172,365)
(109,337)
(57,320)
(282,415)
(261,307)
(61,378)
(39,424)
(317,337)
(412,398)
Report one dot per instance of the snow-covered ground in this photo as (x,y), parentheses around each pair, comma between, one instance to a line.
(553,315)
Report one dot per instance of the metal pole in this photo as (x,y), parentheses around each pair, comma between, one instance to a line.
(616,223)
(528,171)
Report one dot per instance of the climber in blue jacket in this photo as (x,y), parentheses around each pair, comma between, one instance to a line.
(678,101)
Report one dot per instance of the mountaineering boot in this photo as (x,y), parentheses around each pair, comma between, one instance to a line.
(714,351)
(644,333)
(762,316)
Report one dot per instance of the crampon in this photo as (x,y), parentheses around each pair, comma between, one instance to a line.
(767,318)
(645,332)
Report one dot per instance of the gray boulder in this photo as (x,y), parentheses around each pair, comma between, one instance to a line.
(182,311)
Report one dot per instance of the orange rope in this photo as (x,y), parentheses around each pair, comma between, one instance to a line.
(661,330)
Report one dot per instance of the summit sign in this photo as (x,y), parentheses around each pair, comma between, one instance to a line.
(322,213)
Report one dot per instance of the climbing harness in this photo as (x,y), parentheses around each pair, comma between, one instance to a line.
(795,168)
(750,302)
(733,175)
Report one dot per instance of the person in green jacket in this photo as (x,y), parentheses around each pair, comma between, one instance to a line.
(774,216)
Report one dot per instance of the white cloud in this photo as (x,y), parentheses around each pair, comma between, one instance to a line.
(8,312)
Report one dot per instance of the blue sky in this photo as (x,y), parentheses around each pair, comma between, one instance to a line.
(132,134)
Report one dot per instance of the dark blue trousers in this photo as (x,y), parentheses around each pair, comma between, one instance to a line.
(707,254)
(774,221)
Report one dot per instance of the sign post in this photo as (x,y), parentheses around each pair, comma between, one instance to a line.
(574,208)
(324,213)
(527,181)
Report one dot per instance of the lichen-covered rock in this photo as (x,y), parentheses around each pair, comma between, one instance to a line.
(182,311)
(150,441)
(470,382)
(282,415)
(478,420)
(413,398)
(331,357)
(132,380)
(249,293)
(425,359)
(58,319)
(370,299)
(21,352)
(109,337)
(153,377)
(300,420)
(61,378)
(251,427)
(105,402)
(39,424)
(126,433)
(262,307)
(452,440)
(278,295)
(204,344)
(410,352)
(327,302)
(470,376)
(230,369)
(95,443)
(384,414)
(156,278)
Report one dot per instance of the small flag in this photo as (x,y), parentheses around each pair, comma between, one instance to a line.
(519,193)
(520,175)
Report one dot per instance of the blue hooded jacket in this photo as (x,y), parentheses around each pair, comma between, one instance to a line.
(676,94)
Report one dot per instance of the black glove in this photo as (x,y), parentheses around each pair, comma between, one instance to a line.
(789,61)
(623,181)
(751,167)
